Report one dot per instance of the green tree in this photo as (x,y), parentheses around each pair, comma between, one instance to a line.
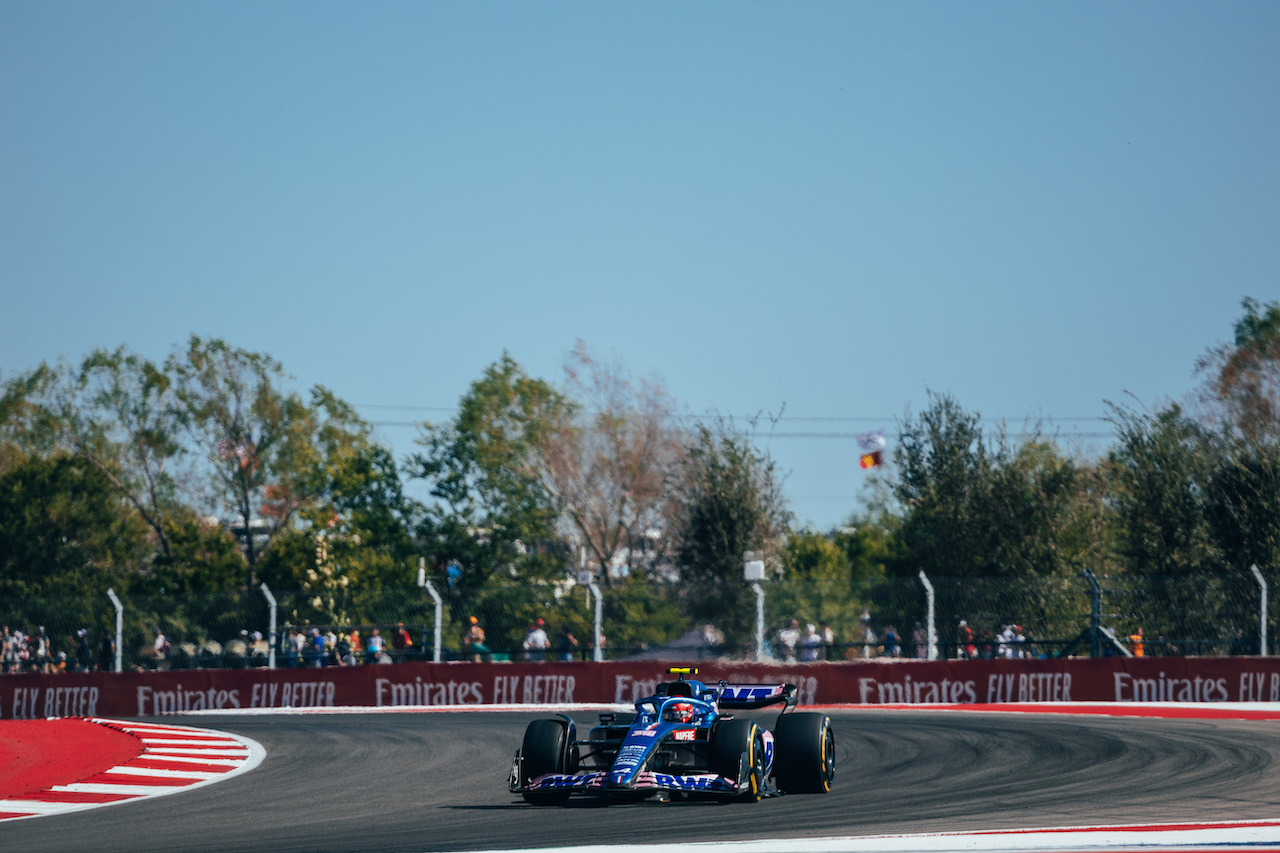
(728,502)
(1242,506)
(1158,491)
(204,557)
(268,455)
(240,423)
(28,426)
(117,412)
(817,584)
(975,505)
(1241,391)
(943,479)
(1032,492)
(490,513)
(870,543)
(608,463)
(354,535)
(63,530)
(1241,398)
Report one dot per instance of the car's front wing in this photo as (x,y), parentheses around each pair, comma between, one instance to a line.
(648,781)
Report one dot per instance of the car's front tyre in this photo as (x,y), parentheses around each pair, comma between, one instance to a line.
(544,750)
(734,742)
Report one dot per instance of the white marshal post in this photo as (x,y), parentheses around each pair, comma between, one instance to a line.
(115,601)
(271,625)
(1262,617)
(587,579)
(932,622)
(435,596)
(753,573)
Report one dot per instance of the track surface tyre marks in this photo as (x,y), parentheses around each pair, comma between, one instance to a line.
(406,782)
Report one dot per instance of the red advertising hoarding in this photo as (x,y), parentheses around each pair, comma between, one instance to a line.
(981,682)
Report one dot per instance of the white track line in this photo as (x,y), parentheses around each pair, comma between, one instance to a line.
(235,753)
(1254,836)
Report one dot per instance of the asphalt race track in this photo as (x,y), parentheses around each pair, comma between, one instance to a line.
(437,781)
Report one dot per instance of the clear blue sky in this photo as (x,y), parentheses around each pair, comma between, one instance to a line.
(1034,207)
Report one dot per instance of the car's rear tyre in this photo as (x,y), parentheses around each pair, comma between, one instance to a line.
(728,743)
(804,754)
(544,750)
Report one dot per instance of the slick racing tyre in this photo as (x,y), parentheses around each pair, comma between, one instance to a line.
(728,743)
(544,751)
(804,754)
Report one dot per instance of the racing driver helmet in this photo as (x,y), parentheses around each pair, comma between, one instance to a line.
(678,712)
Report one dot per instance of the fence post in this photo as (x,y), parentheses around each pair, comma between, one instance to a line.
(932,625)
(753,571)
(271,625)
(588,579)
(1262,611)
(598,627)
(115,600)
(1095,614)
(435,596)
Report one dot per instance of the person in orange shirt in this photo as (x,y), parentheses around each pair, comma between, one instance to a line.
(1135,641)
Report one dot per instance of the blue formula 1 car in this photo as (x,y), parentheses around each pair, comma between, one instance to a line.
(684,742)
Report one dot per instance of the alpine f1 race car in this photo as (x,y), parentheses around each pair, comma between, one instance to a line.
(683,742)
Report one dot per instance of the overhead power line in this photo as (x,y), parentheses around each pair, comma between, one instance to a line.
(837,436)
(761,418)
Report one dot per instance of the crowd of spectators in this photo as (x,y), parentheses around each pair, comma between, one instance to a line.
(1011,643)
(24,650)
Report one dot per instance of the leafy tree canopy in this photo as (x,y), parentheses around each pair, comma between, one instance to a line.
(729,501)
(491,514)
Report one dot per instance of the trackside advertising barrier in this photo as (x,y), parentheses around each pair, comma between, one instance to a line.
(29,696)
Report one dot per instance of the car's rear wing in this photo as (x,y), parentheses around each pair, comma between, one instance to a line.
(749,696)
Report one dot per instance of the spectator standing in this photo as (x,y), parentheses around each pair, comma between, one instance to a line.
(401,642)
(84,651)
(44,652)
(966,649)
(306,648)
(8,651)
(811,644)
(1137,644)
(987,643)
(828,640)
(919,642)
(160,648)
(892,644)
(788,638)
(331,648)
(869,638)
(536,642)
(297,646)
(342,651)
(473,642)
(568,645)
(316,651)
(107,653)
(374,649)
(604,644)
(1011,645)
